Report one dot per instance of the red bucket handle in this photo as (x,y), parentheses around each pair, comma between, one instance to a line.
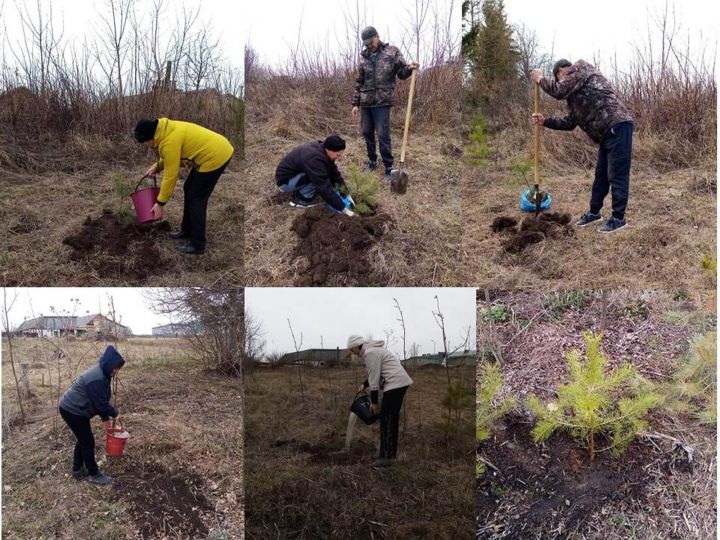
(143,178)
(119,423)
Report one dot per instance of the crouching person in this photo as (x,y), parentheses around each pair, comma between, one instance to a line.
(385,372)
(89,396)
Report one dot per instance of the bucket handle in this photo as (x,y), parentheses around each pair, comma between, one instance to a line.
(143,178)
(117,421)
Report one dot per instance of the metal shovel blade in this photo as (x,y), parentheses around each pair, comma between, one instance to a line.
(399,181)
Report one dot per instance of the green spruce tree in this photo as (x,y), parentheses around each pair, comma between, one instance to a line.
(487,409)
(596,402)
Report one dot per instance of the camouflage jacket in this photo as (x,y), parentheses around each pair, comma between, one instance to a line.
(375,82)
(593,103)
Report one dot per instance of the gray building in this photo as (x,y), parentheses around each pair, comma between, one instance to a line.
(175,330)
(317,358)
(89,325)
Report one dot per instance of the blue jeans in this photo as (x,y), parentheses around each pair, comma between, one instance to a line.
(302,185)
(612,170)
(377,119)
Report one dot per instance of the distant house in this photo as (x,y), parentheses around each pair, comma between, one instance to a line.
(424,360)
(459,358)
(89,325)
(317,358)
(463,358)
(175,330)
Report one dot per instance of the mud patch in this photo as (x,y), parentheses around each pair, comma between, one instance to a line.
(337,245)
(532,230)
(279,199)
(550,490)
(328,454)
(112,249)
(428,530)
(163,503)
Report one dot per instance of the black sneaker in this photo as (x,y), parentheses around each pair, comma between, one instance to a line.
(189,249)
(80,473)
(613,224)
(587,218)
(371,166)
(298,202)
(101,480)
(388,174)
(179,235)
(381,463)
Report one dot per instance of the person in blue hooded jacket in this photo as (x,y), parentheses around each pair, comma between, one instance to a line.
(89,396)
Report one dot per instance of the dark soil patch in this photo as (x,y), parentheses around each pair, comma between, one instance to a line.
(279,199)
(428,530)
(550,490)
(335,244)
(359,452)
(112,249)
(27,224)
(163,503)
(532,230)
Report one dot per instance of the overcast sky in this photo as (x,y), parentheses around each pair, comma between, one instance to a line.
(130,306)
(323,22)
(336,313)
(603,29)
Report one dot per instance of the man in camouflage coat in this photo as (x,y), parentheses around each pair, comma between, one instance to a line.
(380,63)
(593,104)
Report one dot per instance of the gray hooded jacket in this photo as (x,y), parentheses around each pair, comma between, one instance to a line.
(384,369)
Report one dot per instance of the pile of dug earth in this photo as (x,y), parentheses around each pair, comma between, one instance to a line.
(531,230)
(337,246)
(110,249)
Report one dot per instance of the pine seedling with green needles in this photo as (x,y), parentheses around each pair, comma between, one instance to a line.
(124,190)
(487,410)
(478,150)
(595,402)
(693,388)
(363,187)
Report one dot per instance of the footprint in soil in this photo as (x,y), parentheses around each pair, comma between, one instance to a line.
(163,502)
(334,244)
(113,249)
(532,230)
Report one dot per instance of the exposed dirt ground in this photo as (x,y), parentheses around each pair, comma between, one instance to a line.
(300,484)
(180,477)
(38,211)
(671,225)
(553,490)
(421,245)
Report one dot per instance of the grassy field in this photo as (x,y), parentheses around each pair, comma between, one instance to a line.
(182,472)
(37,211)
(671,221)
(299,484)
(422,245)
(552,489)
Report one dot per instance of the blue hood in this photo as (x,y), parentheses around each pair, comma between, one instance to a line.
(110,360)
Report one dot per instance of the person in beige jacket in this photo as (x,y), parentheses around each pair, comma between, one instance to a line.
(385,372)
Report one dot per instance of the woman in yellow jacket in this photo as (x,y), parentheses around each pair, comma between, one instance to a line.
(206,153)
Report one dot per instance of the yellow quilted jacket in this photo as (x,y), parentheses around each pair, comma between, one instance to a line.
(188,144)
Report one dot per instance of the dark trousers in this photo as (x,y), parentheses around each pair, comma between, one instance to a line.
(197,189)
(390,421)
(377,119)
(612,170)
(85,445)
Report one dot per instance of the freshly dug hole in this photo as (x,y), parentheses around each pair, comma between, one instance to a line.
(335,244)
(532,230)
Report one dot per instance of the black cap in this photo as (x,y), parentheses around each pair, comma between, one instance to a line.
(367,34)
(145,130)
(562,63)
(334,143)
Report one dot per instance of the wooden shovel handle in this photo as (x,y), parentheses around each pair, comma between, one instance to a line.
(536,136)
(407,117)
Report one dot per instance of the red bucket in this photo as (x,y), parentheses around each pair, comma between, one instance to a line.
(143,201)
(115,440)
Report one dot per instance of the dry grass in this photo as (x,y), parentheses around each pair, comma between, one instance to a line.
(183,420)
(651,330)
(422,247)
(38,210)
(671,222)
(298,486)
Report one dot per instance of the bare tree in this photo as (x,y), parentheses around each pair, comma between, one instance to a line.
(298,346)
(7,307)
(401,320)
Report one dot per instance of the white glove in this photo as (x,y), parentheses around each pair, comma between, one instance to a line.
(348,212)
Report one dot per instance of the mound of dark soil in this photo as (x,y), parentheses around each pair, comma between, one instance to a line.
(162,503)
(110,248)
(532,230)
(550,490)
(335,244)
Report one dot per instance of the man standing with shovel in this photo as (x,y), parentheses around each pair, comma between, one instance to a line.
(380,63)
(385,372)
(593,104)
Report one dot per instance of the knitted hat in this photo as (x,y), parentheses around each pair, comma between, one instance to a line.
(145,130)
(562,63)
(334,143)
(367,34)
(355,341)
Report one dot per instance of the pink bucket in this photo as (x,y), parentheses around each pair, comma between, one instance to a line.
(143,201)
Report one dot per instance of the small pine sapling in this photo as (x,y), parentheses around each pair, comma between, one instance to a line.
(124,210)
(363,187)
(487,409)
(478,150)
(596,402)
(693,388)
